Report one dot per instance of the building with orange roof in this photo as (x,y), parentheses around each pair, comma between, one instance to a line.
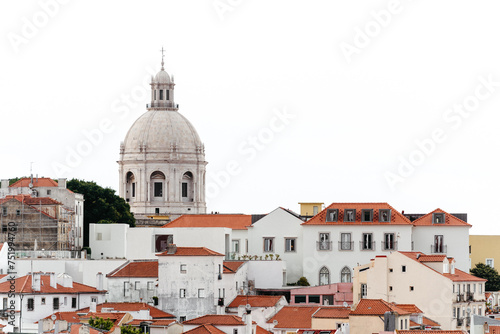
(444,293)
(39,295)
(137,310)
(292,318)
(225,323)
(262,307)
(193,281)
(330,317)
(134,281)
(72,203)
(372,316)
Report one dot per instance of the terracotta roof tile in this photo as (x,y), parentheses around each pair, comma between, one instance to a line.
(67,316)
(255,301)
(296,317)
(216,319)
(410,308)
(75,328)
(37,182)
(23,284)
(376,307)
(154,312)
(260,330)
(396,217)
(423,331)
(153,323)
(338,312)
(449,220)
(429,322)
(494,329)
(192,251)
(231,267)
(235,222)
(136,268)
(205,329)
(431,258)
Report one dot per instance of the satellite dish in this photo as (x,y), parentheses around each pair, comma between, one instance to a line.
(53,317)
(275,322)
(248,306)
(345,304)
(30,185)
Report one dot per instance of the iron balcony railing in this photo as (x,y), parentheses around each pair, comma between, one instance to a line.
(346,245)
(392,245)
(323,245)
(439,249)
(364,246)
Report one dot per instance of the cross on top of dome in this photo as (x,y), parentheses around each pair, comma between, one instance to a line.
(162,55)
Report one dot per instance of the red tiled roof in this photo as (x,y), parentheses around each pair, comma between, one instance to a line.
(216,319)
(431,258)
(494,329)
(255,301)
(410,308)
(154,323)
(235,222)
(449,220)
(396,217)
(136,268)
(429,322)
(75,328)
(338,312)
(67,316)
(23,285)
(376,307)
(192,251)
(37,182)
(423,331)
(296,317)
(116,317)
(231,267)
(154,312)
(260,330)
(33,203)
(205,329)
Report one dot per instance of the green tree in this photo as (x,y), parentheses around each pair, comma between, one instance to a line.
(488,273)
(100,204)
(101,323)
(130,330)
(303,281)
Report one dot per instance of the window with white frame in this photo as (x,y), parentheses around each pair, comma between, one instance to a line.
(289,244)
(324,276)
(268,244)
(137,285)
(183,268)
(389,241)
(345,275)
(345,241)
(31,304)
(364,290)
(182,293)
(367,242)
(201,293)
(236,246)
(151,285)
(490,262)
(324,241)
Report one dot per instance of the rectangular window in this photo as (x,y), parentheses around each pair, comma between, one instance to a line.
(314,299)
(412,288)
(158,189)
(183,268)
(438,218)
(324,242)
(389,242)
(168,94)
(151,285)
(367,215)
(235,330)
(236,246)
(438,244)
(364,290)
(43,301)
(384,215)
(390,288)
(349,215)
(300,299)
(315,210)
(403,269)
(268,244)
(133,189)
(73,302)
(31,304)
(55,303)
(480,288)
(48,192)
(332,215)
(367,242)
(161,94)
(18,212)
(289,244)
(201,293)
(4,211)
(182,293)
(490,263)
(126,288)
(182,319)
(157,211)
(65,301)
(184,189)
(137,285)
(345,241)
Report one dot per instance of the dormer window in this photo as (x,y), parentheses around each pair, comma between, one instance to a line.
(367,215)
(349,215)
(384,215)
(438,218)
(332,215)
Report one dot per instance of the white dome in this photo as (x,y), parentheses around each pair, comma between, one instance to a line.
(162,132)
(162,77)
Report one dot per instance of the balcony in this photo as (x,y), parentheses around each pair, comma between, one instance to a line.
(323,245)
(346,245)
(367,246)
(439,249)
(389,246)
(162,104)
(460,298)
(469,296)
(460,322)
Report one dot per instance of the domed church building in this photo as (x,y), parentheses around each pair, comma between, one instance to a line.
(162,160)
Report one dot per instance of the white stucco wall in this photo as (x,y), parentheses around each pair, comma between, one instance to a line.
(267,274)
(279,224)
(335,260)
(134,293)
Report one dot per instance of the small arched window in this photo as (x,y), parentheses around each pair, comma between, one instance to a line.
(324,276)
(345,275)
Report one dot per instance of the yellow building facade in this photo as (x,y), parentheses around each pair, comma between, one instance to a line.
(485,249)
(308,209)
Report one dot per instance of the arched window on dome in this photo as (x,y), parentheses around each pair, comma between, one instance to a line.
(157,184)
(187,189)
(130,187)
(324,276)
(345,275)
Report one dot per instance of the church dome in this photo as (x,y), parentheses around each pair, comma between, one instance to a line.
(162,77)
(162,131)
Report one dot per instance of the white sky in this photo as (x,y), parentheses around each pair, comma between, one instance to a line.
(236,65)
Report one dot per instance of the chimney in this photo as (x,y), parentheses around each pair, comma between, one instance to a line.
(389,322)
(241,311)
(248,321)
(65,280)
(59,326)
(5,183)
(93,307)
(61,183)
(35,281)
(171,249)
(53,281)
(99,281)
